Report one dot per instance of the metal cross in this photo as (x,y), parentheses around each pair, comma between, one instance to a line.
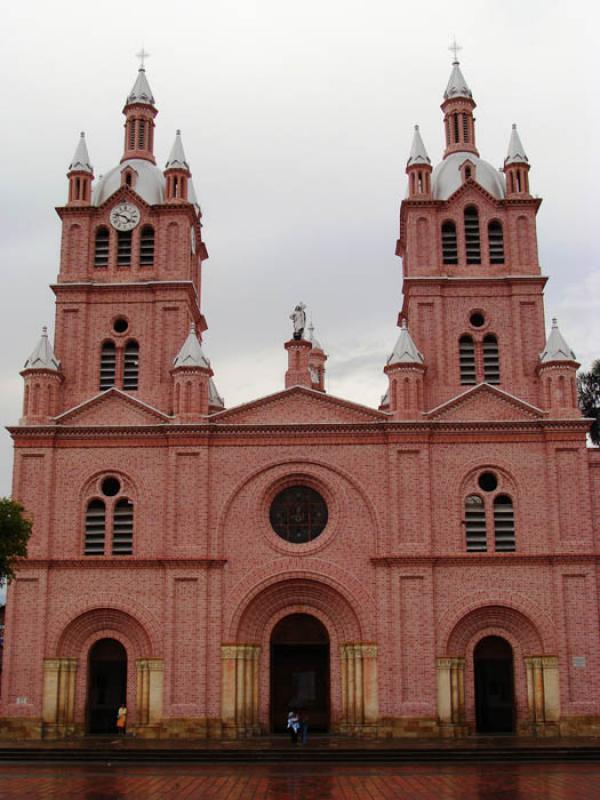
(142,55)
(455,47)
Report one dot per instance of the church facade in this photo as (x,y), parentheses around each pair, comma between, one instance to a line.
(428,567)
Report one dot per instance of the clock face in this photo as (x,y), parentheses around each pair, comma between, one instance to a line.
(125,217)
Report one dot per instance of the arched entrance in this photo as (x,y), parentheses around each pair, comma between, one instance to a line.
(300,671)
(494,685)
(107,685)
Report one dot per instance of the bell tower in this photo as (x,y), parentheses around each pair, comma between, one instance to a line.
(473,289)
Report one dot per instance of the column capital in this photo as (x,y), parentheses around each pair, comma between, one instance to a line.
(244,652)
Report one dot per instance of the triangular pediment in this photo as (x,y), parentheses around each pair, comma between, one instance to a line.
(298,406)
(473,191)
(112,407)
(485,403)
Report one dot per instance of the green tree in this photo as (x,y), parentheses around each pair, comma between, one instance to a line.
(15,530)
(588,388)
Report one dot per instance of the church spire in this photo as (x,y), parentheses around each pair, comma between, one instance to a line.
(140,112)
(80,175)
(458,106)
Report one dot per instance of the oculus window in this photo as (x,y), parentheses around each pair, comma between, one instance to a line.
(298,514)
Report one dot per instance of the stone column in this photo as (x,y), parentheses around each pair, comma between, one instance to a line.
(451,694)
(58,697)
(543,695)
(239,702)
(360,705)
(149,700)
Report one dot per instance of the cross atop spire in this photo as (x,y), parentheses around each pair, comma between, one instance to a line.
(454,48)
(142,55)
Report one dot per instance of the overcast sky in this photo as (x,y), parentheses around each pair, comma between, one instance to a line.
(297,120)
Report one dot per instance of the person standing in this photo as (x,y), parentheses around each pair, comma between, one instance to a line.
(293,724)
(122,719)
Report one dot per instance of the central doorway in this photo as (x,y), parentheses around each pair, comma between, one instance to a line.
(107,685)
(300,672)
(494,685)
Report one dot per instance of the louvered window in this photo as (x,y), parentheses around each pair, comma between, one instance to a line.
(108,365)
(475,524)
(466,129)
(132,134)
(472,238)
(101,247)
(131,363)
(122,544)
(504,524)
(491,359)
(141,134)
(124,248)
(449,245)
(456,127)
(496,242)
(147,246)
(95,528)
(467,360)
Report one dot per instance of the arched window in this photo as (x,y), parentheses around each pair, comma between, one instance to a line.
(504,524)
(132,134)
(122,542)
(101,247)
(147,246)
(131,363)
(124,239)
(95,528)
(472,238)
(475,527)
(466,349)
(141,134)
(496,242)
(449,245)
(491,359)
(108,365)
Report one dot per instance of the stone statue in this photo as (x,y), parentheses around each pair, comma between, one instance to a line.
(298,317)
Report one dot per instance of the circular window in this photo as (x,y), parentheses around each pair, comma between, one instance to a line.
(120,325)
(298,514)
(488,481)
(477,319)
(111,487)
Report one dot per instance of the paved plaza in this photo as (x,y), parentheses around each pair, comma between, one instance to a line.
(516,781)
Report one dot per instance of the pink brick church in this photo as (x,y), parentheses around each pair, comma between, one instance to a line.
(425,568)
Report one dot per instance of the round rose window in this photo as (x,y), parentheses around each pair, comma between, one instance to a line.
(298,514)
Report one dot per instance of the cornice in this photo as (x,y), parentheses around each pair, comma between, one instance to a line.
(211,430)
(107,562)
(490,559)
(476,280)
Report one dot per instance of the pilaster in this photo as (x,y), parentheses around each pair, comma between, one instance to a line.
(239,703)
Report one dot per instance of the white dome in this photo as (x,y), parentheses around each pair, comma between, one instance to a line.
(149,183)
(446,177)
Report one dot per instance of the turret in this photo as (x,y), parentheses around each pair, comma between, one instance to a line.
(405,369)
(557,372)
(458,107)
(418,169)
(177,173)
(316,361)
(140,112)
(43,379)
(192,375)
(80,175)
(516,167)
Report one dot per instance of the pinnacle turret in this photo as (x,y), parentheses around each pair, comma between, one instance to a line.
(405,351)
(516,151)
(458,106)
(556,348)
(81,160)
(43,356)
(418,153)
(177,159)
(191,354)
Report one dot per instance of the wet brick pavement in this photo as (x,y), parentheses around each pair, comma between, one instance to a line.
(516,781)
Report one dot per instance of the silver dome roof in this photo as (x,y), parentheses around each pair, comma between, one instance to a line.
(149,183)
(446,177)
